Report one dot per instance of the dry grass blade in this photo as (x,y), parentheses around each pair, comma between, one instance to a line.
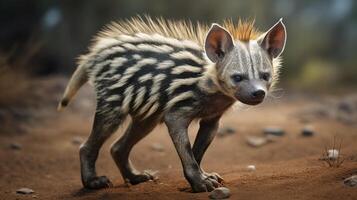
(333,157)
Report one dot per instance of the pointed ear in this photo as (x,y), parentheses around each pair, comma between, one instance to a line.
(273,41)
(218,42)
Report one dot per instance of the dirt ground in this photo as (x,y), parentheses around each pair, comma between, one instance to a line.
(288,168)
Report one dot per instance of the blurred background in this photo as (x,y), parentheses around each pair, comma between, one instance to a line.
(45,37)
(287,137)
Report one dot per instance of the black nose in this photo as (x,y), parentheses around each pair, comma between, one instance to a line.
(259,94)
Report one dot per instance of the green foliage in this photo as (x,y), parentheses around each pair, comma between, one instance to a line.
(317,73)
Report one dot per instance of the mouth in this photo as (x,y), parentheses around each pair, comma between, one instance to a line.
(250,101)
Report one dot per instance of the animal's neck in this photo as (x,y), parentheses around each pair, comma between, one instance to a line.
(209,82)
(214,102)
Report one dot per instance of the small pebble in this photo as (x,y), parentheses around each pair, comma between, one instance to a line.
(255,141)
(307,131)
(251,168)
(24,191)
(15,146)
(157,147)
(274,131)
(220,193)
(77,140)
(272,138)
(351,181)
(226,131)
(332,154)
(346,106)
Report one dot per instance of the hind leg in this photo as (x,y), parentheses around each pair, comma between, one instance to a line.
(120,150)
(103,127)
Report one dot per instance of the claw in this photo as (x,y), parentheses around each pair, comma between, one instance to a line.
(215,183)
(215,176)
(110,185)
(147,175)
(98,183)
(205,184)
(151,174)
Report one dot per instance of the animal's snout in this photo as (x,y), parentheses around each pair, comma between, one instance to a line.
(258,94)
(251,92)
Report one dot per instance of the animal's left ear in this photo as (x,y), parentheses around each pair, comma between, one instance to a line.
(273,41)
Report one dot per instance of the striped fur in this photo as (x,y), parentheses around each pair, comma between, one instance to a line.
(144,66)
(171,72)
(153,77)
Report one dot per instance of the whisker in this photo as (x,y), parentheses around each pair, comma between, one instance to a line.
(277,93)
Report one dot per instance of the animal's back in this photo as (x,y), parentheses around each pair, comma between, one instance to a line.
(143,73)
(146,66)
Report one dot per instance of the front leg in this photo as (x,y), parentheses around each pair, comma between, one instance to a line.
(177,127)
(206,133)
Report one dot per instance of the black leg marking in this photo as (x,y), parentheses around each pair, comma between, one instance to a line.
(120,150)
(177,127)
(103,127)
(206,133)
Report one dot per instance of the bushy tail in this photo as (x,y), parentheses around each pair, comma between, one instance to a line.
(78,79)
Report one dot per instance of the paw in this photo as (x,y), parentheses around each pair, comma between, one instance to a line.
(140,178)
(215,176)
(98,182)
(204,184)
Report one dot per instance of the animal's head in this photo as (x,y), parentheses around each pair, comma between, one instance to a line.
(246,69)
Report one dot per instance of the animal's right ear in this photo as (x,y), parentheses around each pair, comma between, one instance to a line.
(218,42)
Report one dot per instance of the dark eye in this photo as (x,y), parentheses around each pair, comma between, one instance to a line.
(265,76)
(237,78)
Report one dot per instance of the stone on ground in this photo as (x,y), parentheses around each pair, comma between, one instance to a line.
(15,146)
(157,147)
(256,141)
(77,140)
(274,131)
(332,154)
(220,193)
(24,191)
(351,181)
(308,131)
(251,168)
(224,131)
